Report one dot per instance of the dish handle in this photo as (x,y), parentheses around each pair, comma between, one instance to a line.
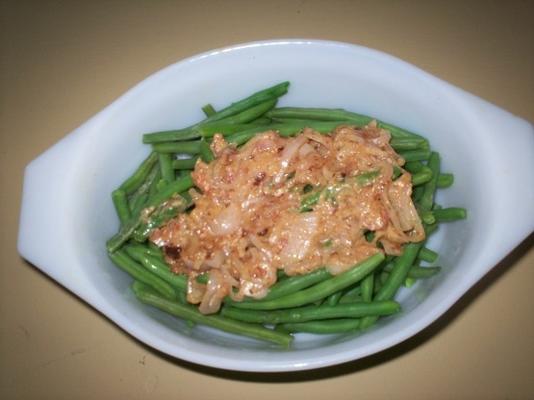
(47,209)
(510,163)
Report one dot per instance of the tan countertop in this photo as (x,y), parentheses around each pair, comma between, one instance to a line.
(61,62)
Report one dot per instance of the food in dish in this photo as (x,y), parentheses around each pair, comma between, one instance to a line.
(281,220)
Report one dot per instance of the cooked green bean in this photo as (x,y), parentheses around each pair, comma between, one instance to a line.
(205,152)
(320,290)
(396,278)
(427,217)
(449,214)
(165,163)
(425,254)
(418,272)
(191,147)
(293,284)
(209,110)
(178,186)
(415,155)
(423,176)
(140,174)
(191,313)
(324,327)
(135,200)
(409,143)
(160,216)
(413,166)
(126,231)
(122,260)
(235,108)
(157,267)
(367,287)
(445,180)
(250,114)
(121,205)
(270,93)
(284,129)
(184,163)
(225,129)
(312,313)
(334,298)
(139,203)
(427,198)
(326,114)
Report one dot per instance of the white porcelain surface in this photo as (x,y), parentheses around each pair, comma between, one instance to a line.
(67,213)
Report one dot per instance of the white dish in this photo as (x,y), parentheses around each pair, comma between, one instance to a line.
(67,213)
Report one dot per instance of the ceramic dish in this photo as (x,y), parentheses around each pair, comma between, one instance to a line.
(67,213)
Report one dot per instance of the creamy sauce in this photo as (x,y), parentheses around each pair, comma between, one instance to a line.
(295,204)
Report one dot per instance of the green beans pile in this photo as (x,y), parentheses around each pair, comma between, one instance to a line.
(317,302)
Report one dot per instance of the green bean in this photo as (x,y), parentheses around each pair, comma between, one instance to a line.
(263,120)
(122,260)
(313,198)
(126,231)
(445,180)
(425,254)
(284,129)
(334,298)
(165,164)
(159,217)
(324,327)
(427,198)
(422,176)
(136,198)
(251,101)
(415,155)
(152,250)
(292,285)
(325,114)
(418,272)
(191,313)
(205,152)
(307,202)
(235,108)
(157,267)
(209,110)
(251,113)
(184,163)
(139,203)
(430,229)
(400,144)
(320,290)
(161,185)
(225,129)
(178,186)
(413,166)
(397,171)
(402,265)
(188,133)
(367,288)
(427,217)
(140,174)
(417,193)
(449,214)
(366,178)
(312,313)
(192,147)
(153,189)
(121,205)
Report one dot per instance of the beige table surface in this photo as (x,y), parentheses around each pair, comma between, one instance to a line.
(61,62)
